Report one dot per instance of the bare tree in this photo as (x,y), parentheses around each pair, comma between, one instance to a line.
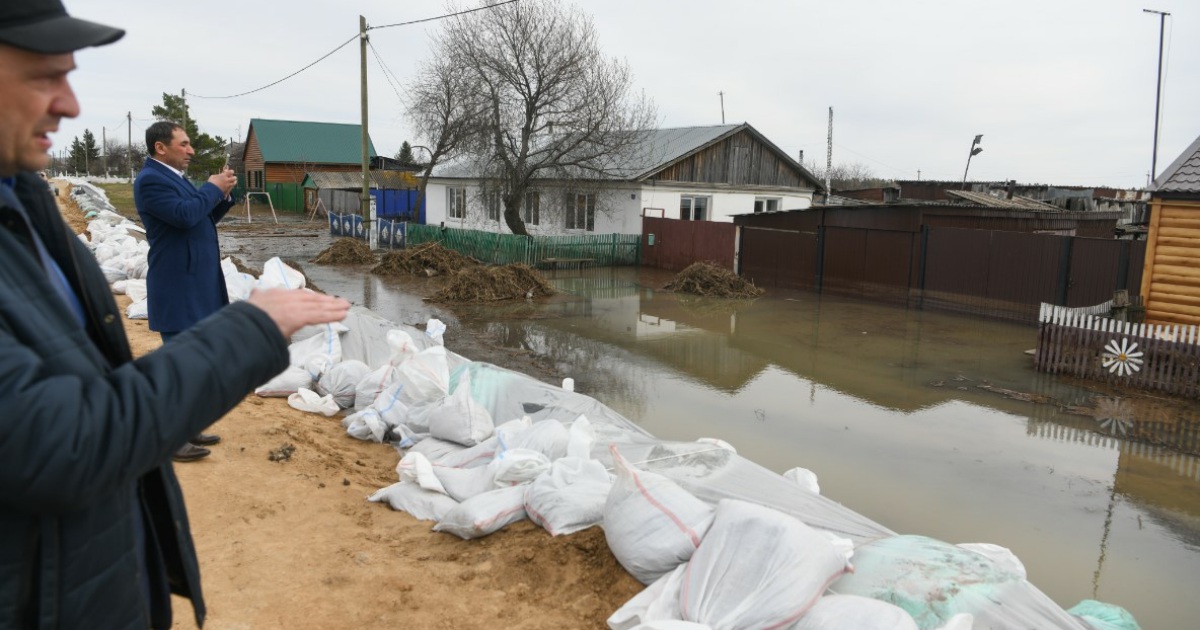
(848,176)
(552,105)
(443,112)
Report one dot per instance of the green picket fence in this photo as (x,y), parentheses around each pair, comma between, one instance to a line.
(600,250)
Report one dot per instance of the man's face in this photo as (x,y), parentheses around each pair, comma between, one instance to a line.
(178,154)
(34,97)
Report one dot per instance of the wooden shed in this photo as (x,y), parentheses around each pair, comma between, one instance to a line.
(279,153)
(1171,279)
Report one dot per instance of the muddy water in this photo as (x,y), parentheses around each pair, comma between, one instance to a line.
(902,414)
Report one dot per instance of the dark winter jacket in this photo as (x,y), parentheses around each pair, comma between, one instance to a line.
(85,430)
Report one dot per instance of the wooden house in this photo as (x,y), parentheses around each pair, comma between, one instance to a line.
(1171,278)
(690,173)
(279,153)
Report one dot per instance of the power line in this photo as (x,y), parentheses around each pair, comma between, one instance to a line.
(387,73)
(323,57)
(442,17)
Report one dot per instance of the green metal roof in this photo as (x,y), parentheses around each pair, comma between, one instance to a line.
(313,142)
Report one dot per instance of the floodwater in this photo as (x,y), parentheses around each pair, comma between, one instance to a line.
(902,414)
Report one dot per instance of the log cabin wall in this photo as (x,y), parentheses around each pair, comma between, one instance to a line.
(1171,281)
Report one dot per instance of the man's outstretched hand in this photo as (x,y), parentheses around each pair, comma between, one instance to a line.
(293,309)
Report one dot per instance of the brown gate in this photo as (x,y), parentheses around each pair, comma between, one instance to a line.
(674,244)
(779,258)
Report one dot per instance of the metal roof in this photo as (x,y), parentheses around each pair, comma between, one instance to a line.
(1183,175)
(352,180)
(313,142)
(1016,203)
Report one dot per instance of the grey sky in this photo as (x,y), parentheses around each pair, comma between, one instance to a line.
(1062,91)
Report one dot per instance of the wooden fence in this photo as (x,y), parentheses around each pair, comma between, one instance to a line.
(1079,342)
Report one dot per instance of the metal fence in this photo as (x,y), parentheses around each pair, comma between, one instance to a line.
(601,250)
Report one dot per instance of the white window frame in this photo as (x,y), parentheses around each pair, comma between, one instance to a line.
(491,202)
(456,202)
(532,212)
(767,204)
(691,207)
(586,222)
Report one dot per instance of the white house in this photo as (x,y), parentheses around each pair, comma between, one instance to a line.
(690,173)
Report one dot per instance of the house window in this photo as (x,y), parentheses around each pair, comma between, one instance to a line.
(581,212)
(456,203)
(532,210)
(256,180)
(693,208)
(766,204)
(492,201)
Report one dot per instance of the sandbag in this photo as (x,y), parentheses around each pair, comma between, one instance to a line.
(422,504)
(484,514)
(758,568)
(341,381)
(651,524)
(569,497)
(312,402)
(286,383)
(459,419)
(852,612)
(277,274)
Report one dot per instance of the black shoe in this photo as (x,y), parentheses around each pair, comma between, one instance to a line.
(205,439)
(190,452)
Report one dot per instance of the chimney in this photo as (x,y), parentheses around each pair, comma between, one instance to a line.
(800,159)
(1012,183)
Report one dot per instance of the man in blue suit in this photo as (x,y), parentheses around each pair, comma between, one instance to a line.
(184,283)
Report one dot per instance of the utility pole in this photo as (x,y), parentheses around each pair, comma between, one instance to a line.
(129,149)
(829,156)
(364,202)
(1162,23)
(104,150)
(183,97)
(722,95)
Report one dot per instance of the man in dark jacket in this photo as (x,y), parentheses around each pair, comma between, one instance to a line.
(185,283)
(93,530)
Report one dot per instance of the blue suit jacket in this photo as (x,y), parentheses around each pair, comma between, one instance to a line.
(184,284)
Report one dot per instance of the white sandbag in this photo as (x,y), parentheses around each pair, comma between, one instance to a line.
(118,287)
(548,437)
(327,343)
(277,274)
(757,568)
(517,466)
(434,449)
(416,468)
(391,407)
(806,478)
(422,504)
(657,603)
(138,310)
(672,624)
(435,329)
(569,497)
(463,483)
(341,381)
(459,418)
(484,514)
(366,425)
(286,383)
(1002,556)
(372,385)
(135,288)
(580,437)
(238,284)
(852,612)
(475,456)
(717,442)
(307,400)
(652,525)
(425,376)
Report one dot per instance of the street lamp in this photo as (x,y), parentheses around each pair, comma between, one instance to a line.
(975,150)
(1162,21)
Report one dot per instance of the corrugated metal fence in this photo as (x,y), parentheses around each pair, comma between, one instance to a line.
(1078,342)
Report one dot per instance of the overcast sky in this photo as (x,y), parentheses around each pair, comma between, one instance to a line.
(1062,91)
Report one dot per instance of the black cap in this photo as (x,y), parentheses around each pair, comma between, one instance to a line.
(43,26)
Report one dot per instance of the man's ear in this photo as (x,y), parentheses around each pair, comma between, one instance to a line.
(159,148)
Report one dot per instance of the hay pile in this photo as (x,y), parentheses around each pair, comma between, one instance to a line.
(345,251)
(494,284)
(429,259)
(711,280)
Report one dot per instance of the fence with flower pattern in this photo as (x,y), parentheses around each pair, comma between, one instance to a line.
(1079,342)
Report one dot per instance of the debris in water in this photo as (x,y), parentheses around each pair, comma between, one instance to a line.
(494,284)
(345,251)
(712,280)
(429,259)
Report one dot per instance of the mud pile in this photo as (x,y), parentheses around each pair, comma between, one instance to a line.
(345,251)
(429,259)
(711,280)
(494,284)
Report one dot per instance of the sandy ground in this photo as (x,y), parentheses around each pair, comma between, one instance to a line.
(295,544)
